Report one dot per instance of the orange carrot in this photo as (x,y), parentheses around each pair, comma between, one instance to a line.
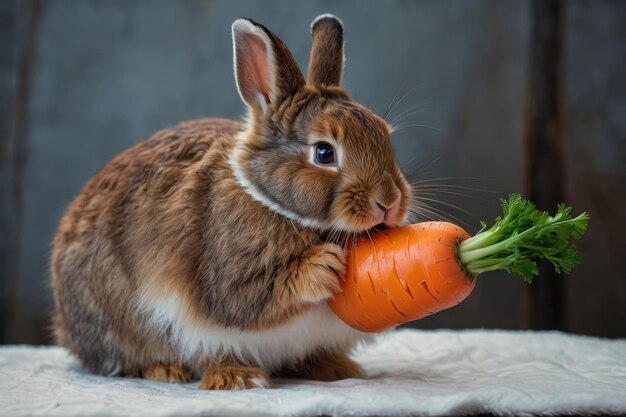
(406,273)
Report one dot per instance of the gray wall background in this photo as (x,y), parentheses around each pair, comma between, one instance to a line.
(107,74)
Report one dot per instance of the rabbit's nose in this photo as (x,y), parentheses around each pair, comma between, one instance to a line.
(381,207)
(388,196)
(388,205)
(392,217)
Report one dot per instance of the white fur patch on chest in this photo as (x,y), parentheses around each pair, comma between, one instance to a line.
(270,348)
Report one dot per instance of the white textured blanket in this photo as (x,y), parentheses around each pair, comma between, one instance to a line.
(410,372)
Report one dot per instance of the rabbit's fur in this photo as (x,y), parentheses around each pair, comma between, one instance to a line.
(204,251)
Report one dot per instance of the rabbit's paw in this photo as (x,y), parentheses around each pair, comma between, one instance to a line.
(330,366)
(234,378)
(174,373)
(320,273)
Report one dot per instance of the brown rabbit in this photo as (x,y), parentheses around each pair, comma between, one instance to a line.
(206,252)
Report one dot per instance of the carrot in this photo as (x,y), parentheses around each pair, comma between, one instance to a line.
(409,272)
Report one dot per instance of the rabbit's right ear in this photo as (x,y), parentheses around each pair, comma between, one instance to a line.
(326,61)
(265,70)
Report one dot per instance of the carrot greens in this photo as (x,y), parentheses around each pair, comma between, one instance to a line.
(520,236)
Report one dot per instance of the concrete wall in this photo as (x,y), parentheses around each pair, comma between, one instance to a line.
(108,74)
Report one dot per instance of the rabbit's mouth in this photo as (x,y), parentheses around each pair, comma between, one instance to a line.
(346,238)
(377,228)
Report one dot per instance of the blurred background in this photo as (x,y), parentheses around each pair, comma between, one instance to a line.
(498,97)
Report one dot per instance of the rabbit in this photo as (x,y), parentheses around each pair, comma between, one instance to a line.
(206,252)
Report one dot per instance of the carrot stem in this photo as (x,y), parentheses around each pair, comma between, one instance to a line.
(522,235)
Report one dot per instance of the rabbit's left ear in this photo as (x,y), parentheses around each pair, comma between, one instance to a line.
(265,70)
(326,61)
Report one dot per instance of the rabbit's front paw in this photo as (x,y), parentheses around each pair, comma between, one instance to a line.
(234,378)
(320,273)
(172,373)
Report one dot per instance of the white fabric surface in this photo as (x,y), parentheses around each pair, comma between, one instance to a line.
(411,372)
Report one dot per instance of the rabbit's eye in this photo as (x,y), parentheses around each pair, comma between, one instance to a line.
(325,154)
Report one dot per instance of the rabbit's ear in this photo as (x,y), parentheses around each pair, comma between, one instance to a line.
(326,62)
(265,70)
